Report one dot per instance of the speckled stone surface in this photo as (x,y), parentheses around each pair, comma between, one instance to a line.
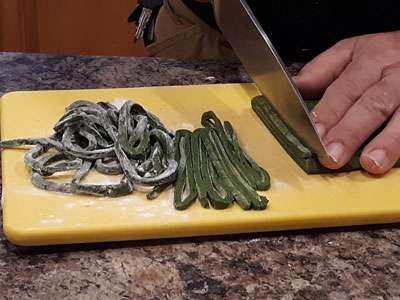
(361,263)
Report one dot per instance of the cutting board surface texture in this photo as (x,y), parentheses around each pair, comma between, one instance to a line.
(297,200)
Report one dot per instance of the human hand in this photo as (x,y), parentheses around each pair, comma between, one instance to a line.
(360,82)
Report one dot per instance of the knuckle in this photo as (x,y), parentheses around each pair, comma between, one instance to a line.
(366,70)
(343,90)
(392,138)
(306,70)
(392,69)
(344,43)
(351,137)
(378,109)
(333,116)
(368,62)
(327,114)
(390,53)
(351,86)
(382,102)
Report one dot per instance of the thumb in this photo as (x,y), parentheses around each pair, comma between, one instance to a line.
(319,73)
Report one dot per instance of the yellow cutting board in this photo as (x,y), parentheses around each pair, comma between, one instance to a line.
(297,200)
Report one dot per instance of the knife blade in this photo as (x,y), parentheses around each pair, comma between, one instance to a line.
(264,65)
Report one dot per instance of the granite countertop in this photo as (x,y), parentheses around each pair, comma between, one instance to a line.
(325,264)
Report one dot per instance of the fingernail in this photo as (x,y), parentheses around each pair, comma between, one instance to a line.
(335,151)
(320,129)
(378,157)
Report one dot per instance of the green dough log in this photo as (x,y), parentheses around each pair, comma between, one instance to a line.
(299,152)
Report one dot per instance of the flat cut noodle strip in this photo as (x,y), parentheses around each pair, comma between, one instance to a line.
(213,167)
(185,180)
(255,176)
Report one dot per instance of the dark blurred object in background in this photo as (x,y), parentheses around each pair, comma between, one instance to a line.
(302,29)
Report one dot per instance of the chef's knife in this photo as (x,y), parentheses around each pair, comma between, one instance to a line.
(260,59)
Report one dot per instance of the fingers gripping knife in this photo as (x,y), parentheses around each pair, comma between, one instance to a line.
(259,57)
